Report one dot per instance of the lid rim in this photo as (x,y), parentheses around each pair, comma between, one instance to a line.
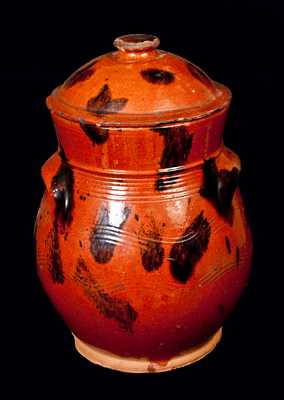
(137,120)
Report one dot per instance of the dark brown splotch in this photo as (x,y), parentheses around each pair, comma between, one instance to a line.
(80,243)
(81,75)
(157,76)
(102,247)
(228,244)
(136,216)
(96,134)
(219,187)
(177,146)
(104,104)
(185,253)
(238,256)
(109,306)
(152,252)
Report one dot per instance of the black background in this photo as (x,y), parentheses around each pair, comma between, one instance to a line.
(237,44)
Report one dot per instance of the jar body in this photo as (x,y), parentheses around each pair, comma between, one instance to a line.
(142,243)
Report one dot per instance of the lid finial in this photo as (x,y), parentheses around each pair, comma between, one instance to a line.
(136,42)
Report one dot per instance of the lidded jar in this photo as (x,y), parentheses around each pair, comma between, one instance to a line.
(142,241)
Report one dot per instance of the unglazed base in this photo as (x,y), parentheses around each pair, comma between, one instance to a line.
(143,365)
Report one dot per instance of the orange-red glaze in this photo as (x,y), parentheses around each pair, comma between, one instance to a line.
(134,249)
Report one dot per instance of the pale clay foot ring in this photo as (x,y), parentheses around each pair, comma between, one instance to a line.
(142,365)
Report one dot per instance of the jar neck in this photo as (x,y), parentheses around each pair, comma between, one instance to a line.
(140,150)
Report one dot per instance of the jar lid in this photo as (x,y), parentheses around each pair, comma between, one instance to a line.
(138,85)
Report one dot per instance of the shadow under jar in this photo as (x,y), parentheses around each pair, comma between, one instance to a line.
(142,242)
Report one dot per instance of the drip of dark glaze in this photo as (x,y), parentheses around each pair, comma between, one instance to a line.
(177,146)
(238,256)
(62,187)
(81,75)
(219,187)
(104,104)
(151,368)
(102,247)
(157,76)
(109,306)
(185,253)
(96,134)
(136,216)
(228,244)
(152,252)
(55,263)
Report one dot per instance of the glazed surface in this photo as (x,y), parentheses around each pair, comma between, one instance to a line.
(142,241)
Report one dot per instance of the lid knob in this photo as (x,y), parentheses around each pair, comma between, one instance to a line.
(136,42)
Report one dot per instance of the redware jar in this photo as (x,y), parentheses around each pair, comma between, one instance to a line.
(142,242)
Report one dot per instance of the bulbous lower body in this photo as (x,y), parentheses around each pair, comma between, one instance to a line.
(139,273)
